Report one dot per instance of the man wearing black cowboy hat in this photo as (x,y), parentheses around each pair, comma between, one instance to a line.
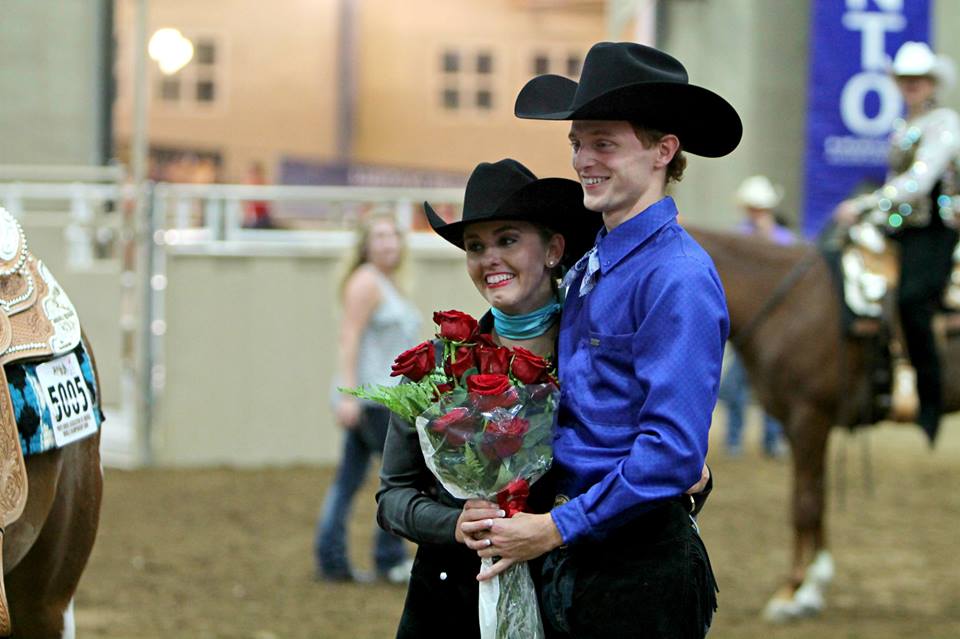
(640,348)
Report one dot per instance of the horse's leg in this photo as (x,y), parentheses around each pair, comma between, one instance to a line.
(41,587)
(812,567)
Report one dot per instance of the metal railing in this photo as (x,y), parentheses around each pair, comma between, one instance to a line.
(302,214)
(194,218)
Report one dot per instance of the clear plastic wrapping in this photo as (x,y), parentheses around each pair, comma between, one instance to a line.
(493,447)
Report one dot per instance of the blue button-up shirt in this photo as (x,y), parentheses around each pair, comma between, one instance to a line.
(639,360)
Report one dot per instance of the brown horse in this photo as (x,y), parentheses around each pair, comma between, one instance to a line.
(46,549)
(806,373)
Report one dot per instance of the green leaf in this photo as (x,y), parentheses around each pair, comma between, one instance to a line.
(504,477)
(405,400)
(473,461)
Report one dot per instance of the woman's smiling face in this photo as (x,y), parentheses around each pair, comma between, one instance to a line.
(510,263)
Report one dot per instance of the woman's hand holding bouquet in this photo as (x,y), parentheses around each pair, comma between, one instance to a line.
(484,415)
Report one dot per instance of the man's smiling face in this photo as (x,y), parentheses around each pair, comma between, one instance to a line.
(617,172)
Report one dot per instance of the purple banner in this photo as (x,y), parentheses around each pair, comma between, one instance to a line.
(852,100)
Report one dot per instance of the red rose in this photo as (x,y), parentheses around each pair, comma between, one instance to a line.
(527,367)
(493,360)
(513,498)
(457,426)
(462,361)
(484,339)
(455,325)
(415,363)
(504,438)
(442,389)
(488,384)
(491,391)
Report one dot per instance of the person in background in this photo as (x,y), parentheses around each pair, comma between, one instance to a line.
(378,322)
(256,213)
(916,209)
(758,198)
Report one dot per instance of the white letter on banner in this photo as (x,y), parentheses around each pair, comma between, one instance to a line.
(885,5)
(852,102)
(873,55)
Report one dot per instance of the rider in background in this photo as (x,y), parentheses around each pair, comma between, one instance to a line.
(914,206)
(758,198)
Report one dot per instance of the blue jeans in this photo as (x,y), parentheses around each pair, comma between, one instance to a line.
(330,540)
(735,393)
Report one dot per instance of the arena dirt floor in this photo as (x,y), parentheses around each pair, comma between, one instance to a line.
(227,553)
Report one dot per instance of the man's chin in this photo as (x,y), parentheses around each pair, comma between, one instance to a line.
(593,204)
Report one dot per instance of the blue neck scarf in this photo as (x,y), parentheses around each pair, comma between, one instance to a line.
(527,326)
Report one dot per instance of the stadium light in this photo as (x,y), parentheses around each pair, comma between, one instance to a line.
(170,50)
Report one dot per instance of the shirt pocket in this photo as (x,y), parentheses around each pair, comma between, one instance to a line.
(610,384)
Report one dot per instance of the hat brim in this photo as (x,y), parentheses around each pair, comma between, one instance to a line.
(705,123)
(556,203)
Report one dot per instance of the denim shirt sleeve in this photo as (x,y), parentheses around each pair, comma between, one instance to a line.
(676,353)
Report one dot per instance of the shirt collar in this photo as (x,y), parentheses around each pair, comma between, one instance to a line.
(614,246)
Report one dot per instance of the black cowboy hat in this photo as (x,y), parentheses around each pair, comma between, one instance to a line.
(507,190)
(640,84)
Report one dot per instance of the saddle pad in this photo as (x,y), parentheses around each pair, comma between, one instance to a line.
(43,408)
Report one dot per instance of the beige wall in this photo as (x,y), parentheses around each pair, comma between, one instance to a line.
(401,120)
(250,353)
(277,80)
(280,86)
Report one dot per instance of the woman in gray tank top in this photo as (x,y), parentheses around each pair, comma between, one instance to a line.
(378,322)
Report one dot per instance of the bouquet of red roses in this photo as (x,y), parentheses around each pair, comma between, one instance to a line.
(484,415)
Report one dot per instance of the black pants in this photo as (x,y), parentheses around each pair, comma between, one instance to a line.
(926,261)
(650,580)
(442,594)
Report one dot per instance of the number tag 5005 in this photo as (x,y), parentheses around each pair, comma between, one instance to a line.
(68,399)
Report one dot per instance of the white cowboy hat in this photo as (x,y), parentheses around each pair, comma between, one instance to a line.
(918,59)
(758,192)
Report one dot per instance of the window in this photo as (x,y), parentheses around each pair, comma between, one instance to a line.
(205,91)
(198,84)
(541,64)
(451,99)
(170,88)
(484,63)
(484,99)
(205,53)
(466,80)
(451,62)
(569,63)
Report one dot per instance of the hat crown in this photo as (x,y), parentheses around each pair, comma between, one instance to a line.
(491,185)
(914,58)
(610,65)
(759,192)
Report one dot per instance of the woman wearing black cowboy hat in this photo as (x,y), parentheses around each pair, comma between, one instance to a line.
(516,231)
(640,348)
